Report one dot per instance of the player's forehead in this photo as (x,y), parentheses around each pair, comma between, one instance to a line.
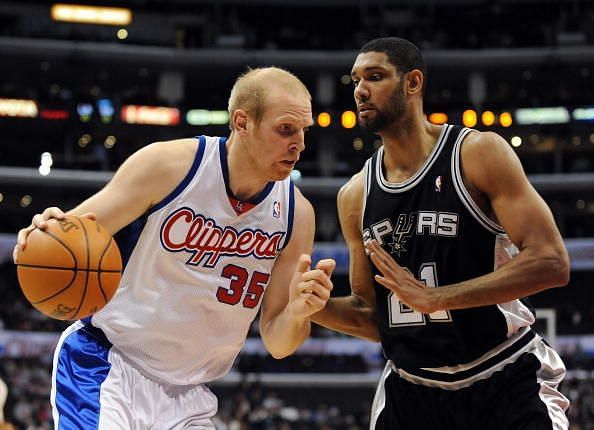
(369,61)
(290,108)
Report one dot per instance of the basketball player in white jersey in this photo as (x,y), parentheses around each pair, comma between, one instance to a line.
(210,229)
(446,238)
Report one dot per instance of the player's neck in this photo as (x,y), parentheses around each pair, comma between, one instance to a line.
(406,147)
(244,183)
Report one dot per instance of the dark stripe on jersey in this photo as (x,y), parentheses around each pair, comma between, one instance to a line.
(391,187)
(127,238)
(291,213)
(488,363)
(187,179)
(225,168)
(463,192)
(426,224)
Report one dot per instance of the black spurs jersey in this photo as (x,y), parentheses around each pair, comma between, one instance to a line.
(431,226)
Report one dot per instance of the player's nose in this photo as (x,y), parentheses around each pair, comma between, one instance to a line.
(361,92)
(299,142)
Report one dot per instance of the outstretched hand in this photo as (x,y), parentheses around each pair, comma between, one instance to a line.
(409,290)
(40,221)
(310,288)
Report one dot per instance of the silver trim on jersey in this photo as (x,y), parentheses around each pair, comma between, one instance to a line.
(366,188)
(400,187)
(463,193)
(379,400)
(549,376)
(484,374)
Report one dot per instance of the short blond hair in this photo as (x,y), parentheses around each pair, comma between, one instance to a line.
(251,88)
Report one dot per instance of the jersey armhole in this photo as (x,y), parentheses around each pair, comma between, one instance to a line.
(188,178)
(291,214)
(367,172)
(463,193)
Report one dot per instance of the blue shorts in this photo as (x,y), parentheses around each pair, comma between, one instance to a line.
(95,387)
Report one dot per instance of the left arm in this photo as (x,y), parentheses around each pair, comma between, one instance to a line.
(542,262)
(294,292)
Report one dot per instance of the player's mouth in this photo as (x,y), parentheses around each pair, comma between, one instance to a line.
(289,163)
(365,110)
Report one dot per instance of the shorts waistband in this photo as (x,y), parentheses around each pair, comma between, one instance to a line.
(464,375)
(96,333)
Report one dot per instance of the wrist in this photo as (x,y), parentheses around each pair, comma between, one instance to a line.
(437,300)
(295,316)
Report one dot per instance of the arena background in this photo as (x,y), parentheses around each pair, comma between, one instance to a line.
(76,98)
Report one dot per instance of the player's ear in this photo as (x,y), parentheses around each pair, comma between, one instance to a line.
(415,81)
(240,121)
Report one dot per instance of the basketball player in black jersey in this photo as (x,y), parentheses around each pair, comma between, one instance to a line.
(446,238)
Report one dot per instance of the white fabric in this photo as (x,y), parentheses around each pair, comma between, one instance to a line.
(3,396)
(549,376)
(130,400)
(165,316)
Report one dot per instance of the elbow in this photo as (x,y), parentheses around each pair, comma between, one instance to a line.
(375,338)
(278,355)
(368,329)
(277,350)
(559,267)
(372,335)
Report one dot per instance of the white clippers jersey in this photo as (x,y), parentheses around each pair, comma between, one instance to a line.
(195,273)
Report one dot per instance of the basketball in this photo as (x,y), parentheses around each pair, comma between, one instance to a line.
(70,270)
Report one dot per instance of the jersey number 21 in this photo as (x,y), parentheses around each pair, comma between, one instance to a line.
(401,315)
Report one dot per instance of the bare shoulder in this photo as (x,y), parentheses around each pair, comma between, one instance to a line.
(303,228)
(489,162)
(171,154)
(350,195)
(157,168)
(478,141)
(303,207)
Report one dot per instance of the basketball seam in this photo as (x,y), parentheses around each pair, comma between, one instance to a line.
(99,270)
(53,236)
(84,292)
(56,293)
(57,239)
(75,269)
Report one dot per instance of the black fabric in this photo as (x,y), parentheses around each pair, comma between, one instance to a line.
(509,400)
(427,229)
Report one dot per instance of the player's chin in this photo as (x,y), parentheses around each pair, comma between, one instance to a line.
(283,171)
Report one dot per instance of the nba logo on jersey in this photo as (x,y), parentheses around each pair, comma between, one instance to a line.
(276,208)
(438,184)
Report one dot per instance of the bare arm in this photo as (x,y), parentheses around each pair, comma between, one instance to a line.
(294,292)
(542,262)
(144,179)
(354,314)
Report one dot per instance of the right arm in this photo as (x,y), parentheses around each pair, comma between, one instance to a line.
(143,180)
(354,314)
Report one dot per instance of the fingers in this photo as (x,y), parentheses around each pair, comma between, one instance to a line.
(38,221)
(327,265)
(303,264)
(313,287)
(315,303)
(90,215)
(318,276)
(381,259)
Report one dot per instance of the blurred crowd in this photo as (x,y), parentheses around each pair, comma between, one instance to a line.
(256,405)
(252,405)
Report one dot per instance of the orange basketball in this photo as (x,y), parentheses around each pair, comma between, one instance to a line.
(71,269)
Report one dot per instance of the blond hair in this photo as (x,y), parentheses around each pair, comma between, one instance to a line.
(251,88)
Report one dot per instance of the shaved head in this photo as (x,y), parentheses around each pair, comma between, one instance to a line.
(253,89)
